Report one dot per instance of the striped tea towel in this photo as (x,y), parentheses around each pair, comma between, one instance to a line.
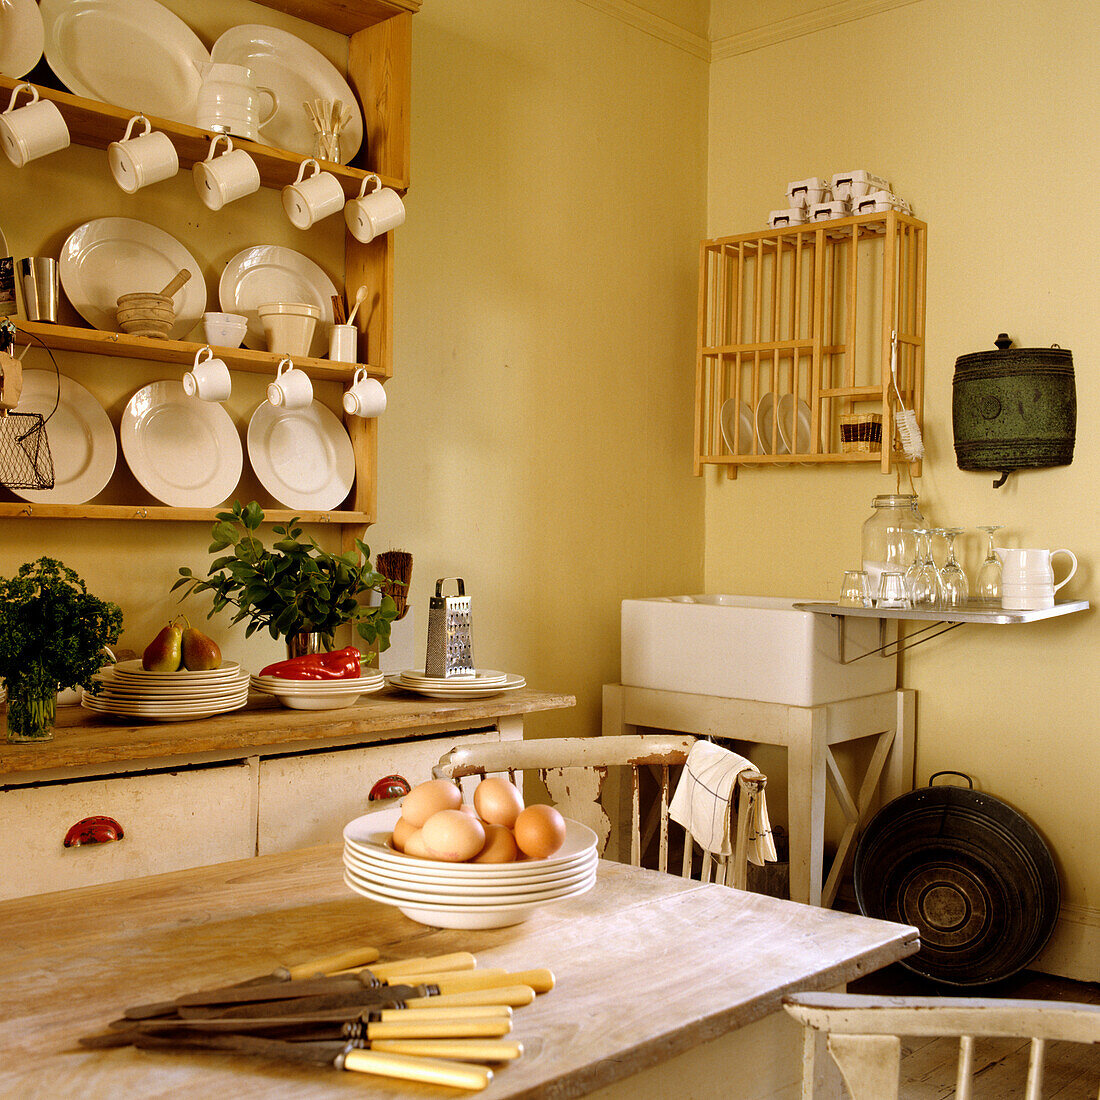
(703,799)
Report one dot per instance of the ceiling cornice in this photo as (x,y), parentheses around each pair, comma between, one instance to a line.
(654,25)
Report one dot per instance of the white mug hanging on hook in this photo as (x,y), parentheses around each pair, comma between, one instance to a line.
(370,215)
(309,199)
(33,130)
(291,389)
(221,178)
(208,379)
(139,161)
(366,397)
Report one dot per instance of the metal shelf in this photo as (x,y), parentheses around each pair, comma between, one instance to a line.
(946,620)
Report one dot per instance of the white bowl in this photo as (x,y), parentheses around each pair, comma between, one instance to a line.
(289,327)
(225,330)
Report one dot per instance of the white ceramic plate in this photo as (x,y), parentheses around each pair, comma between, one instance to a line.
(80,435)
(186,452)
(270,273)
(314,687)
(21,37)
(124,690)
(480,677)
(181,713)
(764,427)
(303,457)
(132,670)
(787,425)
(108,257)
(465,916)
(133,53)
(729,408)
(296,73)
(513,683)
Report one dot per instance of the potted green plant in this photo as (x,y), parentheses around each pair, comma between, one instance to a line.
(296,589)
(52,634)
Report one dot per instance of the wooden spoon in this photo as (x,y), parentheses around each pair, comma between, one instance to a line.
(360,298)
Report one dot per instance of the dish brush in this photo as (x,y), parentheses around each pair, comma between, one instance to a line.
(912,444)
(396,566)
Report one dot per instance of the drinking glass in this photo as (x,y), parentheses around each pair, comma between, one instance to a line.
(891,591)
(954,589)
(855,589)
(922,579)
(987,587)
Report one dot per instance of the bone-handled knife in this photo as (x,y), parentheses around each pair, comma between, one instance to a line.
(489,1028)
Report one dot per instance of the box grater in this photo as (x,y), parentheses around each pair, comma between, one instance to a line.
(449,650)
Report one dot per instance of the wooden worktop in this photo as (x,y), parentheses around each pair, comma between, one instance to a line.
(648,966)
(82,738)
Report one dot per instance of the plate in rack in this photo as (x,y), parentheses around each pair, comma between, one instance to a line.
(21,37)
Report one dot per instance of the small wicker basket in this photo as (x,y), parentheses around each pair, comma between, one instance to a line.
(860,432)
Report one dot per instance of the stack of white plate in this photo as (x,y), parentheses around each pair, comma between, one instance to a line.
(130,691)
(463,895)
(479,684)
(317,694)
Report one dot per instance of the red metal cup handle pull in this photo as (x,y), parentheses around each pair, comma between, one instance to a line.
(93,830)
(389,786)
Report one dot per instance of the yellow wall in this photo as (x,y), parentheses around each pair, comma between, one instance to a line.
(984,116)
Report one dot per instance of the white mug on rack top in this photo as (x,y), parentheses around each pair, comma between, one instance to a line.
(309,199)
(221,179)
(292,388)
(370,215)
(208,379)
(366,397)
(139,161)
(33,130)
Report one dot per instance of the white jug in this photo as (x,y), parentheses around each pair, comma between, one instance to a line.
(229,102)
(1027,577)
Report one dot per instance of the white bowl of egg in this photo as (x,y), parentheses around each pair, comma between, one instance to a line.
(486,864)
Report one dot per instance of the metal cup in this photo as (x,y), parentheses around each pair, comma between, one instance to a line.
(38,275)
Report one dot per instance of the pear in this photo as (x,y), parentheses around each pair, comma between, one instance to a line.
(163,653)
(200,651)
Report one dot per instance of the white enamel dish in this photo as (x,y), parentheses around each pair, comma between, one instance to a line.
(744,414)
(481,677)
(474,691)
(22,37)
(132,53)
(296,73)
(186,452)
(764,427)
(788,432)
(80,434)
(303,457)
(108,257)
(132,670)
(271,273)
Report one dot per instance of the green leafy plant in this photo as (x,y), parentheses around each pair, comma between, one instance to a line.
(295,586)
(52,634)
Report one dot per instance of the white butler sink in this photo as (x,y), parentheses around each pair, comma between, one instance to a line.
(750,647)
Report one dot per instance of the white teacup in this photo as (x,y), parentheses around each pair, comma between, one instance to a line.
(310,198)
(33,130)
(366,397)
(369,216)
(291,389)
(208,379)
(221,179)
(139,161)
(343,344)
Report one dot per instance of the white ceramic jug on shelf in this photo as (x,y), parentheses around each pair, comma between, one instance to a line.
(229,101)
(1027,577)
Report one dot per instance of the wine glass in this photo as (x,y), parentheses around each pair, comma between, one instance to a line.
(954,589)
(987,587)
(922,578)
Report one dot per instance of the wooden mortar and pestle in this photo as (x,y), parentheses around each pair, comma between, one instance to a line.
(142,314)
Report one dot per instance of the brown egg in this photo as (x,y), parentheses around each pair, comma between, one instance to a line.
(453,836)
(402,830)
(539,831)
(500,846)
(415,846)
(498,802)
(466,808)
(429,798)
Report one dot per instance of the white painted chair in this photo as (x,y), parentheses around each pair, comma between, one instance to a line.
(574,770)
(864,1034)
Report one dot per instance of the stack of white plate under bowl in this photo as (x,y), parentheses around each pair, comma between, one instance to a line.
(463,895)
(479,684)
(317,694)
(129,691)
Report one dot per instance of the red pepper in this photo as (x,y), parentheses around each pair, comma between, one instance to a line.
(341,664)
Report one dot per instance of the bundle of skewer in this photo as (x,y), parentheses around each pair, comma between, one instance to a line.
(330,117)
(437,1019)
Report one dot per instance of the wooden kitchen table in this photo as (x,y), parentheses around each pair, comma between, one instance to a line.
(664,986)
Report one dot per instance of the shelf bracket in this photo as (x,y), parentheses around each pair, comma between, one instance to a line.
(888,648)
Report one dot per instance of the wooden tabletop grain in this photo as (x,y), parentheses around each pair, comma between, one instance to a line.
(648,965)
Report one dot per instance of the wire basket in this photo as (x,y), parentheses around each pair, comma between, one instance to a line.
(25,459)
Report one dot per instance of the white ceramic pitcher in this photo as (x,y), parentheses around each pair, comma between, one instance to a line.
(229,101)
(1027,577)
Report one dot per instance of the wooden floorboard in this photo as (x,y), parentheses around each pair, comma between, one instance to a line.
(928,1065)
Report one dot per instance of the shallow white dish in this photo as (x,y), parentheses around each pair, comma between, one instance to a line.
(180,713)
(473,691)
(787,430)
(21,37)
(296,73)
(80,434)
(768,444)
(271,273)
(318,687)
(108,257)
(132,670)
(480,677)
(303,457)
(186,452)
(729,408)
(133,53)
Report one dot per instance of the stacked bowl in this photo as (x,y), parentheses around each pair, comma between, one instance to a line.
(317,694)
(463,895)
(130,691)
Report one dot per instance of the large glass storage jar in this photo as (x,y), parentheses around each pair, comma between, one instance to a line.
(889,540)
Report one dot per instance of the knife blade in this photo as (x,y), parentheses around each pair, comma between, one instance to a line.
(488,1028)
